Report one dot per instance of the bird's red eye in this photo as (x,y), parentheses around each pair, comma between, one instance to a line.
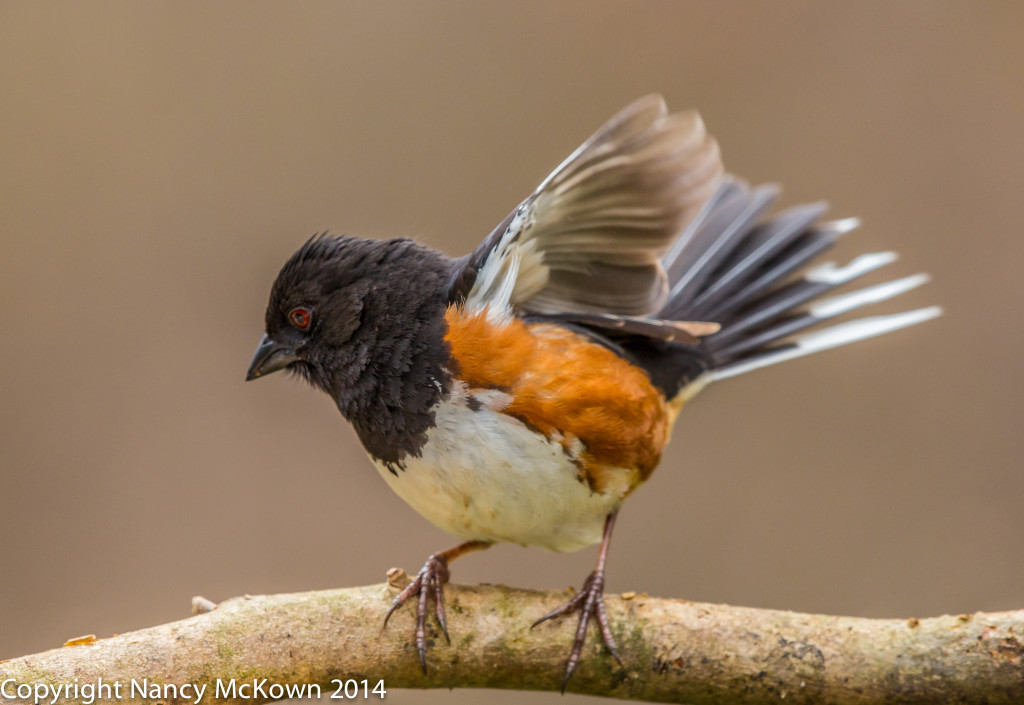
(300,318)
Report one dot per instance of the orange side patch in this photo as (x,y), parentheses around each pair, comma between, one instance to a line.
(567,387)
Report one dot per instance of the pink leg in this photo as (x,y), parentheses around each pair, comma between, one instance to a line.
(589,602)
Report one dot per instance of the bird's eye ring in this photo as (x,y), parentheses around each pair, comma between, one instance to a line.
(300,317)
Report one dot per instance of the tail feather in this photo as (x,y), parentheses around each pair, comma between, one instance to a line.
(734,269)
(819,311)
(788,297)
(831,337)
(760,246)
(732,215)
(807,247)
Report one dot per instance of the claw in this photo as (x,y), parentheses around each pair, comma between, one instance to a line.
(401,599)
(606,632)
(442,617)
(589,602)
(571,606)
(427,587)
(565,680)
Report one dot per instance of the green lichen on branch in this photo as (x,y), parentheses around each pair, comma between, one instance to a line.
(673,650)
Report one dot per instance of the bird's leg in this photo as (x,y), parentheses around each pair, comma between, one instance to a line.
(589,602)
(428,584)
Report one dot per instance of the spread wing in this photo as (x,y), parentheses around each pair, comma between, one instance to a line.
(590,239)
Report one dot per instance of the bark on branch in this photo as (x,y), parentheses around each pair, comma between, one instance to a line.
(673,651)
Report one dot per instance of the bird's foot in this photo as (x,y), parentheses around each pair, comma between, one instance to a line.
(589,602)
(428,584)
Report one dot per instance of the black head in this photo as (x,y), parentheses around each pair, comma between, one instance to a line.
(315,306)
(363,320)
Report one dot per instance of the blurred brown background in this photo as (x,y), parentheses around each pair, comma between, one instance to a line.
(161,160)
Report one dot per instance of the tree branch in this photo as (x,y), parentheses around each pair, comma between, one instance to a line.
(673,650)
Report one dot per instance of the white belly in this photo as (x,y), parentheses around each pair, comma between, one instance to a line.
(485,475)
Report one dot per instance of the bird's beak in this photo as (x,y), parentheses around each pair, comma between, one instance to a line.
(270,357)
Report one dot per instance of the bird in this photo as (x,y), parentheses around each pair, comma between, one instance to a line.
(520,393)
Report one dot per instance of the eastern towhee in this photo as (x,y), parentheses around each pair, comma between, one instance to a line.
(520,393)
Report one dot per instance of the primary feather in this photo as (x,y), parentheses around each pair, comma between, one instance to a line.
(591,237)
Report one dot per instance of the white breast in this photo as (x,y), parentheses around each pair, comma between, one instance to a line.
(485,475)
